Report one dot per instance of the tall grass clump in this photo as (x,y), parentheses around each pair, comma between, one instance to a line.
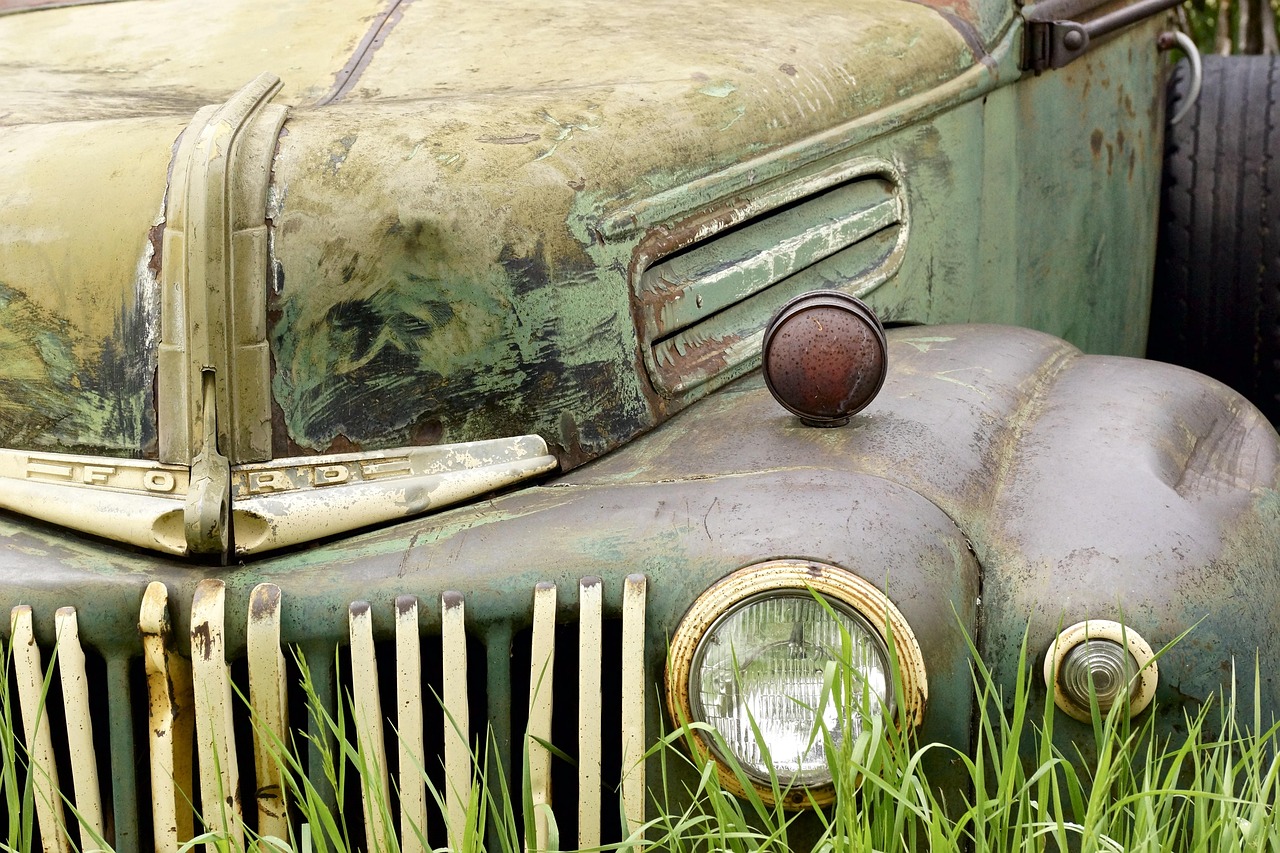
(1130,786)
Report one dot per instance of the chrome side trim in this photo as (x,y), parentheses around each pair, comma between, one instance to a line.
(290,501)
(273,504)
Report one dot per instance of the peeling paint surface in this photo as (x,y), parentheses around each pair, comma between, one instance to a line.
(80,306)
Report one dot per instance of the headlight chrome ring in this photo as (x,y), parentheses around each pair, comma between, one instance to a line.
(789,637)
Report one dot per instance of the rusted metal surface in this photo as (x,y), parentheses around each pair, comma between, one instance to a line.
(824,357)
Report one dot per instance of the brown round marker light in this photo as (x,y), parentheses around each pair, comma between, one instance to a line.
(825,357)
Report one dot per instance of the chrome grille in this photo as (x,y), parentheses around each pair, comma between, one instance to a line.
(193,714)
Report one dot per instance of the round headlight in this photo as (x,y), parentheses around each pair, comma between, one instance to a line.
(1106,658)
(756,659)
(760,677)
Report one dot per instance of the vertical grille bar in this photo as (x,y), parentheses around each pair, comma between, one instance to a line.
(368,713)
(413,788)
(633,700)
(590,708)
(169,696)
(267,695)
(457,712)
(211,681)
(541,668)
(35,724)
(75,701)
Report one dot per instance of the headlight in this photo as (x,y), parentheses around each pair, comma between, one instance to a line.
(1107,657)
(752,659)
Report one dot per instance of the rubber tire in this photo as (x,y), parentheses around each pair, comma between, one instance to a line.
(1216,299)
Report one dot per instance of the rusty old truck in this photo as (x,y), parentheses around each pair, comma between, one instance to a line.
(430,344)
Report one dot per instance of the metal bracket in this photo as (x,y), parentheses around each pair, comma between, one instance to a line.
(1054,40)
(207,512)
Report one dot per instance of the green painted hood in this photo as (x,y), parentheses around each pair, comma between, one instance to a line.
(453,209)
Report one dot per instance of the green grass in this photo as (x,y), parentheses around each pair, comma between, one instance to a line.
(1213,789)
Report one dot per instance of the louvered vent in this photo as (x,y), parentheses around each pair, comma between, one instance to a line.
(712,284)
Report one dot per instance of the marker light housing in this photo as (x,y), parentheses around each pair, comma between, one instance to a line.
(1106,657)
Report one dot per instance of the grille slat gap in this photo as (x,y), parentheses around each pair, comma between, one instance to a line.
(211,680)
(127,791)
(170,726)
(541,689)
(368,720)
(75,701)
(633,700)
(267,688)
(35,724)
(413,786)
(590,708)
(498,647)
(457,725)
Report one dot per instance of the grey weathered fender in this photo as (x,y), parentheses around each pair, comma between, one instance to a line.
(1089,487)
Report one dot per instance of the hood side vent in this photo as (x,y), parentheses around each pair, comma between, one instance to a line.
(704,302)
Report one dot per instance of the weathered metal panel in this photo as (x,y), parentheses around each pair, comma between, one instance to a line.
(79,295)
(171,57)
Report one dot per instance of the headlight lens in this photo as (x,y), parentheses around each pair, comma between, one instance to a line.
(1105,663)
(768,662)
(756,658)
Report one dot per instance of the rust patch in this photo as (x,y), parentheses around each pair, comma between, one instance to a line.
(1095,142)
(264,601)
(346,78)
(202,641)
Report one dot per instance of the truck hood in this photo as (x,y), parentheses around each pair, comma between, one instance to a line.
(430,231)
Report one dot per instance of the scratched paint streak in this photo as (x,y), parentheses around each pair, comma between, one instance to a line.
(349,75)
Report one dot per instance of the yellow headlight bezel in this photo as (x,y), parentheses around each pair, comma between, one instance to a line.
(790,575)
